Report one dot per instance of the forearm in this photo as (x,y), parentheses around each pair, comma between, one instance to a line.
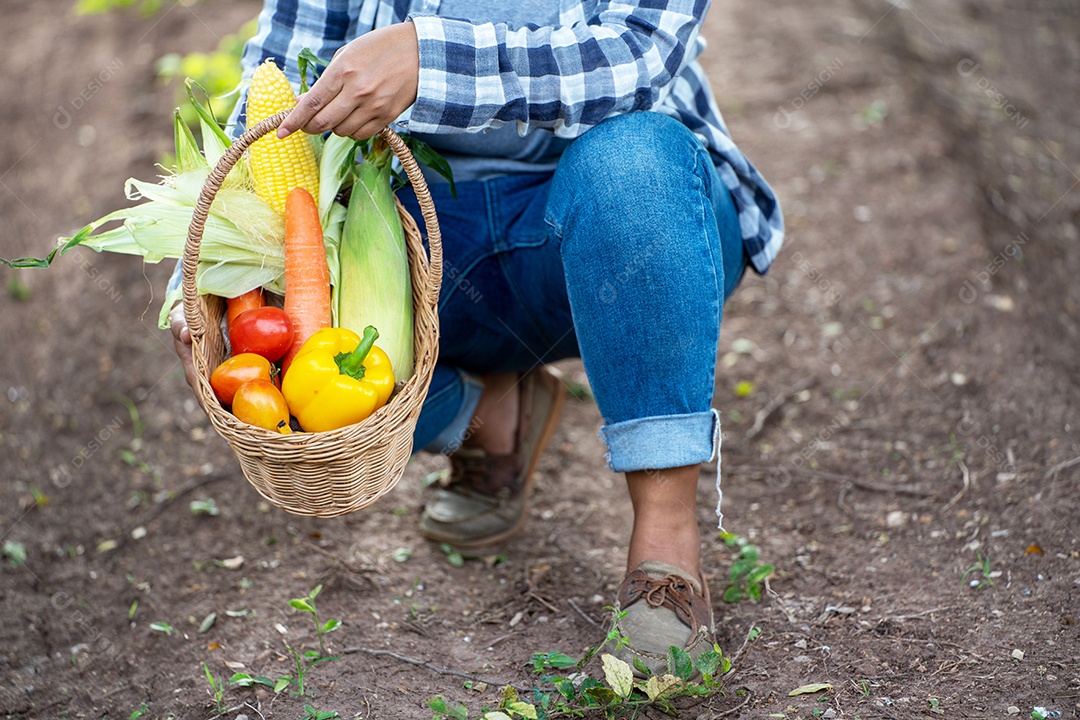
(283,31)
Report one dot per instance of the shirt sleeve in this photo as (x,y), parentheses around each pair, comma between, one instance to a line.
(565,78)
(288,26)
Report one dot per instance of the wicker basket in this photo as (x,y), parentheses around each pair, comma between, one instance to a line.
(323,474)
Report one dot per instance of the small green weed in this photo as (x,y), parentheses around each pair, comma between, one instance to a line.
(954,449)
(303,662)
(747,572)
(129,455)
(40,498)
(455,558)
(618,693)
(874,113)
(458,558)
(14,553)
(137,425)
(217,691)
(244,680)
(309,659)
(443,711)
(983,569)
(551,661)
(204,507)
(307,604)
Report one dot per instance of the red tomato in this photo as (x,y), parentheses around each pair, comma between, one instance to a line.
(265,331)
(259,403)
(237,370)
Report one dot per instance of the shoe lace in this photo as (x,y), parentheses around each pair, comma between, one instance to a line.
(670,589)
(468,471)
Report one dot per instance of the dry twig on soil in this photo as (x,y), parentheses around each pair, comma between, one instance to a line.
(964,489)
(735,709)
(430,666)
(1061,466)
(775,404)
(582,613)
(742,648)
(779,602)
(497,640)
(913,616)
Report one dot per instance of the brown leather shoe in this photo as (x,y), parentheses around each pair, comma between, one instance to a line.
(486,497)
(665,605)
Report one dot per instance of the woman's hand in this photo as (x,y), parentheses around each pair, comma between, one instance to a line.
(367,85)
(182,341)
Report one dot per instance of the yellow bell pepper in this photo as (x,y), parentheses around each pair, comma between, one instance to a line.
(337,379)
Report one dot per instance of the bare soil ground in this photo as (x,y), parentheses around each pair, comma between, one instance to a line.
(913,355)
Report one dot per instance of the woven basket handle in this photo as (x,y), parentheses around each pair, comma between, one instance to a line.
(192,309)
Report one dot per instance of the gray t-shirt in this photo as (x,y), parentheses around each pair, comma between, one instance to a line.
(498,151)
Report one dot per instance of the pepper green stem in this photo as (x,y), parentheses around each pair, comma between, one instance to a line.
(352,364)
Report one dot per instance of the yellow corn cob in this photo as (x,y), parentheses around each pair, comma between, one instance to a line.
(278,166)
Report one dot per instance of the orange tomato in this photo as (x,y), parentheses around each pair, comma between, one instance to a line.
(259,403)
(237,370)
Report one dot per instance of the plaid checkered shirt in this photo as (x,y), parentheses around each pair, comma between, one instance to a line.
(591,60)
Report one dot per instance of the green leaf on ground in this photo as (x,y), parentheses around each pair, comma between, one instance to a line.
(810,689)
(679,663)
(207,623)
(709,661)
(14,553)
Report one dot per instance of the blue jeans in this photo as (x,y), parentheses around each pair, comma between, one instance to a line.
(622,257)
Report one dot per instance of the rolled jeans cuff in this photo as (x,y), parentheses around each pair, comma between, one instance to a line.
(663,441)
(453,435)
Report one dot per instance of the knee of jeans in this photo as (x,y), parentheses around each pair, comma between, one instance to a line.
(641,156)
(632,147)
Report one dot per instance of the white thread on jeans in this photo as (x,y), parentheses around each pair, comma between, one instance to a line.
(716,457)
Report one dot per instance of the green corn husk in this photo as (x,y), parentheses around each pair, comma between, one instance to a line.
(243,241)
(374,286)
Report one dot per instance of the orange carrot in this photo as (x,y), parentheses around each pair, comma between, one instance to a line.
(249,300)
(307,278)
